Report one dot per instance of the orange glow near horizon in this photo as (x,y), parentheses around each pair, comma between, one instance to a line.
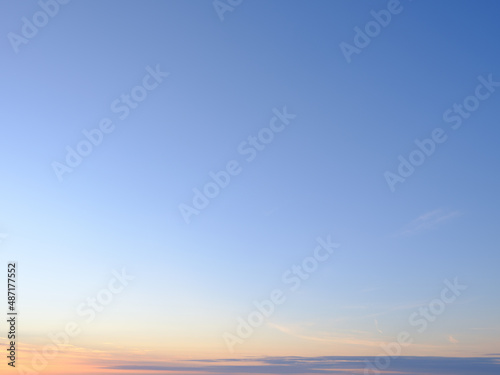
(96,359)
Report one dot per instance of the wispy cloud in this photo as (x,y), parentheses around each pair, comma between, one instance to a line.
(452,339)
(429,220)
(358,338)
(377,327)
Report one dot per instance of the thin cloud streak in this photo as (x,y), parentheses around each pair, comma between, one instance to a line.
(427,221)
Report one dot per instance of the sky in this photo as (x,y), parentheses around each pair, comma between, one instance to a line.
(251,187)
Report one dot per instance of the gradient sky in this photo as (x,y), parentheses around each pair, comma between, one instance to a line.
(322,176)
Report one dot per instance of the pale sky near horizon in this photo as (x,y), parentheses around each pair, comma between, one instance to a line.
(207,86)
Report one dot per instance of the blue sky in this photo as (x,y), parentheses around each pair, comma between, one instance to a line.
(323,175)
